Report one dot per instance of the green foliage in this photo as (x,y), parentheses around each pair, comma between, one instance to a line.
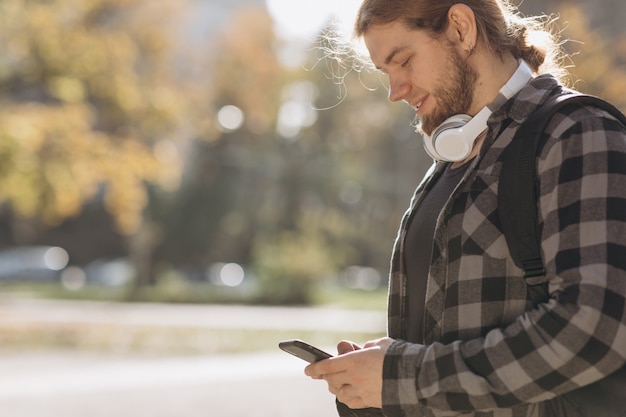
(87,99)
(290,266)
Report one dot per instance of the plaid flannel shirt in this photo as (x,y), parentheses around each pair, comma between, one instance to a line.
(489,352)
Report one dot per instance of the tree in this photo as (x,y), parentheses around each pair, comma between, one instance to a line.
(596,40)
(212,215)
(599,62)
(90,108)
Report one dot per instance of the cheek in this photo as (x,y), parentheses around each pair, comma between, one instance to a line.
(424,77)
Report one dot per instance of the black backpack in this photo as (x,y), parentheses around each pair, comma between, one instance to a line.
(517,207)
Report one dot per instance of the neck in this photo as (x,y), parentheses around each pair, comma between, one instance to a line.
(491,80)
(493,74)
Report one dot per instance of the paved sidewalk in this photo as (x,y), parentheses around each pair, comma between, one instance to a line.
(266,384)
(87,383)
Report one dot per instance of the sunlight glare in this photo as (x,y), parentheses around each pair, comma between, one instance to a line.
(304,20)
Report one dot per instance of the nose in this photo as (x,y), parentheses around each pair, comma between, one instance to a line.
(398,89)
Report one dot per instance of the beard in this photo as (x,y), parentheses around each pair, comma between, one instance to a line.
(455,94)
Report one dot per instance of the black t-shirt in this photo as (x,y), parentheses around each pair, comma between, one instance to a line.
(418,247)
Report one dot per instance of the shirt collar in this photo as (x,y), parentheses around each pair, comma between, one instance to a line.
(531,96)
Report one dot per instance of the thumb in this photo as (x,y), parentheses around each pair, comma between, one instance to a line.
(346,346)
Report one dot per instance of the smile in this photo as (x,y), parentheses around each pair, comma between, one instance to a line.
(417,105)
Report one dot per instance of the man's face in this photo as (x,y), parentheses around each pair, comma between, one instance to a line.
(428,74)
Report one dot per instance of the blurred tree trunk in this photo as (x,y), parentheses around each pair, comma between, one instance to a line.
(141,250)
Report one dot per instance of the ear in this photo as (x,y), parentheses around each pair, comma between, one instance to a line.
(462,27)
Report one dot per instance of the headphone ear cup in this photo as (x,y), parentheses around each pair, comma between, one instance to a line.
(446,142)
(454,139)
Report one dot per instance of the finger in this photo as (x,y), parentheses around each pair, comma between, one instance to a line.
(355,403)
(326,369)
(346,346)
(371,343)
(335,389)
(313,372)
(347,395)
(335,365)
(343,392)
(383,342)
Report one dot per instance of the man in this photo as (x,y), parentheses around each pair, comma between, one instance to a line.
(464,338)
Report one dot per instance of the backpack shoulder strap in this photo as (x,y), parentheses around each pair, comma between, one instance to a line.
(517,189)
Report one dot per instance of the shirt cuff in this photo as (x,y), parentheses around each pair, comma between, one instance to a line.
(400,396)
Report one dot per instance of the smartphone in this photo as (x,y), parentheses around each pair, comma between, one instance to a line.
(303,350)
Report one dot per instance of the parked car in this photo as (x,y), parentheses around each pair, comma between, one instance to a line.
(33,263)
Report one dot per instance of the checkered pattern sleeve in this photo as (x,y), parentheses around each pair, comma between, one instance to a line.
(574,339)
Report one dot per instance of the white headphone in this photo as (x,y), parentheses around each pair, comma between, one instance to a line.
(453,140)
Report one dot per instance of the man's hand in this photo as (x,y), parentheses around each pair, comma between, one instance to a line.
(356,375)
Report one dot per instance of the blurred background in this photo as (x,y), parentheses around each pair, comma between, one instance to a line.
(184,183)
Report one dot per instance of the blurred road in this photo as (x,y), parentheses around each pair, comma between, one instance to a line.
(252,385)
(81,384)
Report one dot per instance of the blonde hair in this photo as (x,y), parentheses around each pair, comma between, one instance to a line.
(501,28)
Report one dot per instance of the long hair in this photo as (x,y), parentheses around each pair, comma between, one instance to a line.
(501,28)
